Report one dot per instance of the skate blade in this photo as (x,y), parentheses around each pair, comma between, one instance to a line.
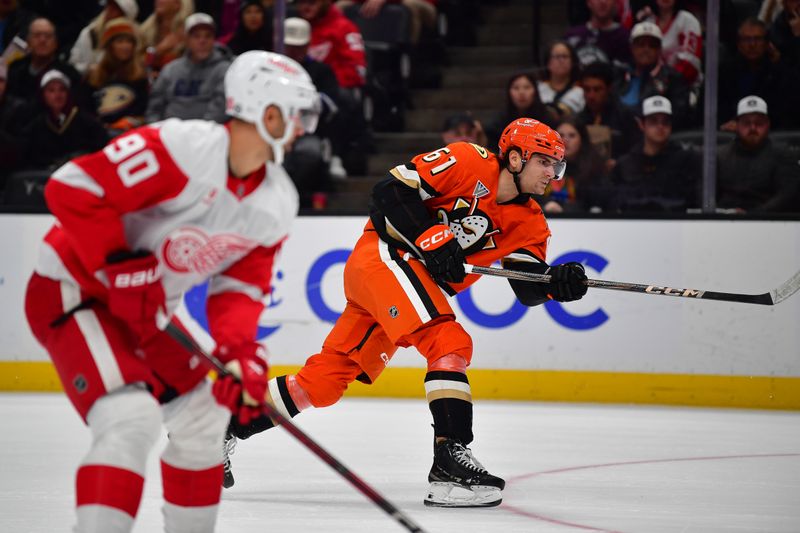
(442,494)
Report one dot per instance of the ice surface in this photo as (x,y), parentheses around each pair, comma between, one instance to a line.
(569,468)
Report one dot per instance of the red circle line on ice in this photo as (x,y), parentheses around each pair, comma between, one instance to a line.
(536,516)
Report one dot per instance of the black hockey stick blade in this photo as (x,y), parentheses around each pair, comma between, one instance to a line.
(189,343)
(773,297)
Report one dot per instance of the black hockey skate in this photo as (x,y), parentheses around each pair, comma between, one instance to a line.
(227,450)
(458,480)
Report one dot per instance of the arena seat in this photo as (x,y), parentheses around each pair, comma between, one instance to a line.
(25,189)
(387,44)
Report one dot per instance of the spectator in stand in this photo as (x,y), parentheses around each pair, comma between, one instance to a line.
(650,76)
(226,13)
(25,75)
(163,34)
(602,38)
(254,31)
(62,130)
(522,100)
(192,86)
(88,49)
(118,82)
(309,162)
(68,17)
(12,121)
(423,13)
(753,72)
(612,127)
(463,127)
(682,41)
(785,33)
(335,41)
(753,174)
(583,183)
(560,89)
(658,174)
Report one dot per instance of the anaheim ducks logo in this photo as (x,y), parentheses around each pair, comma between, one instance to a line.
(189,249)
(472,228)
(113,99)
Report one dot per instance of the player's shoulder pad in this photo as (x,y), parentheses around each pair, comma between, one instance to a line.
(467,150)
(196,146)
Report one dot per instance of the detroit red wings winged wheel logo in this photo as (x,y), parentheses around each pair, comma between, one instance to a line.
(190,249)
(472,228)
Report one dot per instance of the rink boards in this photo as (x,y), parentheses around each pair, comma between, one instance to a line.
(609,347)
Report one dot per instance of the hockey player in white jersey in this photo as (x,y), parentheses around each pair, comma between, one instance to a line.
(155,212)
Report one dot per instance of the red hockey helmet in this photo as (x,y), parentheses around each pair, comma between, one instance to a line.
(530,137)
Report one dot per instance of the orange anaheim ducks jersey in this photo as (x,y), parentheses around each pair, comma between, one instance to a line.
(458,185)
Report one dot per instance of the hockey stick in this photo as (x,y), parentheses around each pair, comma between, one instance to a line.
(187,342)
(772,297)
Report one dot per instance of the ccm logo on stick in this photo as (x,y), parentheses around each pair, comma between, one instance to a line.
(434,237)
(689,293)
(136,279)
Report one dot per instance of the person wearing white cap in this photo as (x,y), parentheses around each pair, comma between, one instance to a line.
(657,175)
(191,86)
(63,129)
(88,49)
(682,42)
(753,174)
(651,76)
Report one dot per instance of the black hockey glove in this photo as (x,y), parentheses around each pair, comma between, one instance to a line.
(442,254)
(567,282)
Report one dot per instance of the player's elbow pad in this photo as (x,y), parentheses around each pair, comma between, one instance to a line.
(529,293)
(402,206)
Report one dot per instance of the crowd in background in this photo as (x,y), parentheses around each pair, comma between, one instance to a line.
(622,85)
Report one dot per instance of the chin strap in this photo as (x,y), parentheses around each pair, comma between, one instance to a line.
(521,197)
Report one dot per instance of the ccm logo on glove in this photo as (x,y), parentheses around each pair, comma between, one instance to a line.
(136,279)
(434,237)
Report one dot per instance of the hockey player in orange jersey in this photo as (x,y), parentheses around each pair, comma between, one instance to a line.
(453,205)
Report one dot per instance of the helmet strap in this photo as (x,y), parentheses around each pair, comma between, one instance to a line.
(521,197)
(276,144)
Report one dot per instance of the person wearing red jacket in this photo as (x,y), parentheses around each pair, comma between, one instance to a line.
(335,41)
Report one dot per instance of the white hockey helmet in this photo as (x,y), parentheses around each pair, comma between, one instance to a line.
(258,79)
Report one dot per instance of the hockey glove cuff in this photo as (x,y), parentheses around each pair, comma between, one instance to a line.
(244,388)
(567,282)
(135,293)
(442,254)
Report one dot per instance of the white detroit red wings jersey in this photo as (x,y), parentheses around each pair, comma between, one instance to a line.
(166,188)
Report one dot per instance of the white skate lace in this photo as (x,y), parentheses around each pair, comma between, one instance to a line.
(464,457)
(228,446)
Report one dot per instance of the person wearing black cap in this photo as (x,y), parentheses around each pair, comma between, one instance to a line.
(657,175)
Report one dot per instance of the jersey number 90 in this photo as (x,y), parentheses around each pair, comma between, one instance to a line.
(134,163)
